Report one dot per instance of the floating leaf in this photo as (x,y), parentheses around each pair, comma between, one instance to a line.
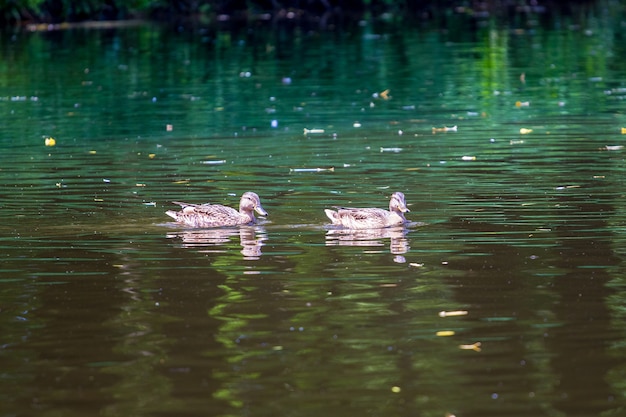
(444,129)
(453,313)
(311,169)
(473,346)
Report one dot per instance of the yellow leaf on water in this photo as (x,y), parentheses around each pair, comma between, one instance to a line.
(473,346)
(445,333)
(525,131)
(50,142)
(453,313)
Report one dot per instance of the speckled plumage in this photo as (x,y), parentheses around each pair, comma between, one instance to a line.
(216,215)
(371,218)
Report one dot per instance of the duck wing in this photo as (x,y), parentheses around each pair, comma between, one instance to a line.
(362,213)
(211,210)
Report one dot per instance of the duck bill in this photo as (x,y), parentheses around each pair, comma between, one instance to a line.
(260,210)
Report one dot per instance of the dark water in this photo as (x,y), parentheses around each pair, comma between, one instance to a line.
(517,222)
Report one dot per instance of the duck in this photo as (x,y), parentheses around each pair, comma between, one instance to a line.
(371,218)
(217,215)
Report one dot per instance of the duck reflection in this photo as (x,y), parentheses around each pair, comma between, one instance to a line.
(398,245)
(251,238)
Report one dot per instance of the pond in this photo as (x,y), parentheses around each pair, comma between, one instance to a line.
(501,296)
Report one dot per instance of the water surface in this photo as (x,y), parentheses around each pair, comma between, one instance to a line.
(517,213)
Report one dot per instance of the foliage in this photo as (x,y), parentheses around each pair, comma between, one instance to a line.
(57,11)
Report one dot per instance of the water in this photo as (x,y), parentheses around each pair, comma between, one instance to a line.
(516,222)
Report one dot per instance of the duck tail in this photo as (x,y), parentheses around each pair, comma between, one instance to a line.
(333,216)
(172,214)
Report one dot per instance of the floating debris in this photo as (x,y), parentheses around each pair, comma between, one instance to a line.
(151,155)
(140,184)
(474,346)
(453,313)
(169,127)
(613,147)
(445,333)
(445,129)
(565,187)
(416,265)
(522,104)
(516,141)
(384,94)
(396,150)
(312,131)
(215,162)
(50,141)
(396,389)
(150,204)
(525,131)
(331,169)
(623,131)
(356,124)
(468,158)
